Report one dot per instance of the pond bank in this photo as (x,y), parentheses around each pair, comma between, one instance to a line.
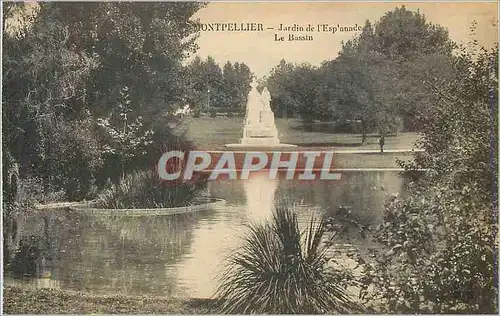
(23,300)
(88,208)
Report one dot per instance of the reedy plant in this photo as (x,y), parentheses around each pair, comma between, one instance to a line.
(143,189)
(283,270)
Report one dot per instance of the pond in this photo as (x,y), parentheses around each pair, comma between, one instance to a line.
(182,255)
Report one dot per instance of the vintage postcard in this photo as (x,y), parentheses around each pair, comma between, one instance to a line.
(250,157)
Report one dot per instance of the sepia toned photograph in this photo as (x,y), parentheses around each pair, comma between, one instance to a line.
(250,157)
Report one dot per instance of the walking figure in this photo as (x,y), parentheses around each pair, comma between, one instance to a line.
(381,142)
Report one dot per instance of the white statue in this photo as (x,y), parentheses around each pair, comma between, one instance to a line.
(266,100)
(259,129)
(267,115)
(254,105)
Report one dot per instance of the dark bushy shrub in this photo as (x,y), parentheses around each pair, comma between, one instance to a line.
(66,158)
(27,257)
(143,189)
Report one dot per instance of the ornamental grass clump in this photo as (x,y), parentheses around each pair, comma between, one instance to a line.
(144,189)
(281,270)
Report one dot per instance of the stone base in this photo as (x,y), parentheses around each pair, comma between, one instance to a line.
(260,136)
(259,132)
(266,141)
(260,146)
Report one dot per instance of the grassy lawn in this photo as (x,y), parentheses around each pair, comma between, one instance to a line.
(21,300)
(375,160)
(215,132)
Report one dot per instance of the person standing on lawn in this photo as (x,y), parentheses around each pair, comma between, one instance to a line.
(381,142)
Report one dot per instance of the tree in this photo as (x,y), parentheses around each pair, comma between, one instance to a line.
(404,37)
(197,85)
(43,84)
(214,78)
(404,34)
(125,138)
(229,87)
(243,78)
(369,82)
(138,45)
(439,243)
(359,87)
(303,89)
(207,82)
(279,84)
(293,90)
(68,63)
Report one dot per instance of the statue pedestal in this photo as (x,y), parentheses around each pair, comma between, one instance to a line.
(259,145)
(259,135)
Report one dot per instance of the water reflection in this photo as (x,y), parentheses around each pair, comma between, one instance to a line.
(259,191)
(128,255)
(365,193)
(183,255)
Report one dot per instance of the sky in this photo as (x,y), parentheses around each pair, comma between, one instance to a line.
(261,52)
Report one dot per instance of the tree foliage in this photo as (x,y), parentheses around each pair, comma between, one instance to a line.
(439,243)
(68,63)
(369,81)
(214,87)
